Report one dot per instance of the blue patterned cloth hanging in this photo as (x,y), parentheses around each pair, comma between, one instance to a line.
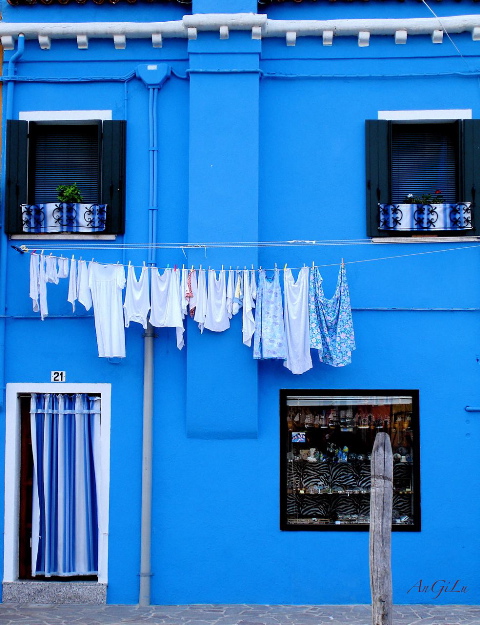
(269,338)
(331,324)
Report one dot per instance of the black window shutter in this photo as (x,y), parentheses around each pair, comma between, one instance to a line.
(378,170)
(113,174)
(470,162)
(16,174)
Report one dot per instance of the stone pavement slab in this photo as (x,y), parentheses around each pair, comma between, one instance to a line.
(28,614)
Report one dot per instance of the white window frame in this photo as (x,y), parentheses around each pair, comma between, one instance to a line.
(12,469)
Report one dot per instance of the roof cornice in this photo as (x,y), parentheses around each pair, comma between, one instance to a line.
(258,24)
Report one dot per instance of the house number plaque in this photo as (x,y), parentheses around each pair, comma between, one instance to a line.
(58,376)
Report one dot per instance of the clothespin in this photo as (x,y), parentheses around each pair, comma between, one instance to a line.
(183,266)
(285,268)
(129,263)
(313,264)
(343,263)
(222,267)
(174,267)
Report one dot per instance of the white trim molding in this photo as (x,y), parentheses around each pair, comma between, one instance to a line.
(426,115)
(58,116)
(258,24)
(12,469)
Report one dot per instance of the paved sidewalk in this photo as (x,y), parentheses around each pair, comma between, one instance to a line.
(231,615)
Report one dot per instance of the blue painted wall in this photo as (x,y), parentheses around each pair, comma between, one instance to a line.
(244,157)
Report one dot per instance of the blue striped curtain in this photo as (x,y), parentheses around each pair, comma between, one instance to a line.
(65,445)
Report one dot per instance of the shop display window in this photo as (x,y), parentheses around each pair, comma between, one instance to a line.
(327,440)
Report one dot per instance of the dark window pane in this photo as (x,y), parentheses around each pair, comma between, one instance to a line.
(65,154)
(424,159)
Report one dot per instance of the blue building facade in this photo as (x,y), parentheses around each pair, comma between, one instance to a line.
(243,125)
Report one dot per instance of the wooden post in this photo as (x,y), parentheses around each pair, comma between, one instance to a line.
(381,501)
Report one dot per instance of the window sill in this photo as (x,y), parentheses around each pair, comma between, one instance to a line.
(425,239)
(61,236)
(92,593)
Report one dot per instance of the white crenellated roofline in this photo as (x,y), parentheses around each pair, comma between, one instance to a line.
(259,25)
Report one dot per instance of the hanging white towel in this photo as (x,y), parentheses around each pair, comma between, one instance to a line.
(62,271)
(238,293)
(84,294)
(34,290)
(38,285)
(216,318)
(137,297)
(106,283)
(51,269)
(297,328)
(166,310)
(253,285)
(248,320)
(201,307)
(73,284)
(230,292)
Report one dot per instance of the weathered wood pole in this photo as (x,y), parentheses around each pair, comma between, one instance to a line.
(381,501)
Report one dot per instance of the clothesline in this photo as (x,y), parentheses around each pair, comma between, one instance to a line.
(287,332)
(25,249)
(203,245)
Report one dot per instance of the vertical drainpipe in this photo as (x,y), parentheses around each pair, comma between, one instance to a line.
(3,245)
(153,76)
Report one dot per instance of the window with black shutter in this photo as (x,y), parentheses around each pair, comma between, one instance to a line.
(43,155)
(422,177)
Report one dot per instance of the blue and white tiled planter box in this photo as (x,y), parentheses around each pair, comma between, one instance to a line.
(425,217)
(54,217)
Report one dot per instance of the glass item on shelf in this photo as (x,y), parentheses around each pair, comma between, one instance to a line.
(299,437)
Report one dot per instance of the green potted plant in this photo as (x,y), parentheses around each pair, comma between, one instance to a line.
(69,193)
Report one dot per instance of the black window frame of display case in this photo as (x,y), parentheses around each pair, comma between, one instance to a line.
(285,448)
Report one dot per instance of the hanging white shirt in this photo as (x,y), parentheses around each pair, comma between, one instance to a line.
(137,297)
(106,283)
(297,329)
(73,284)
(201,300)
(248,320)
(84,294)
(166,310)
(216,318)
